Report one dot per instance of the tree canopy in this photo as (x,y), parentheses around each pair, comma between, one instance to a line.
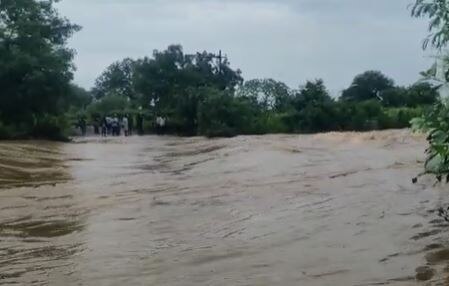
(368,85)
(117,79)
(269,94)
(35,63)
(201,95)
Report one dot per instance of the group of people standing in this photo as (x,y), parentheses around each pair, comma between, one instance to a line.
(113,125)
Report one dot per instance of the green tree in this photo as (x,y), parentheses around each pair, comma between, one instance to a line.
(313,109)
(183,114)
(222,114)
(117,79)
(396,97)
(422,94)
(170,73)
(78,97)
(366,86)
(269,94)
(419,94)
(313,93)
(35,64)
(108,105)
(170,84)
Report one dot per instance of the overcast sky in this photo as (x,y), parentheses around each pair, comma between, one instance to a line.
(288,40)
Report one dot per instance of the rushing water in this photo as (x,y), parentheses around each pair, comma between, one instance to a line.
(332,209)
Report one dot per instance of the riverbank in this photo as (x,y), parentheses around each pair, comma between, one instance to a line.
(326,209)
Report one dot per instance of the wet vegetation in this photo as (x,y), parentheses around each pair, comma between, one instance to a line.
(198,94)
(436,121)
(202,95)
(35,69)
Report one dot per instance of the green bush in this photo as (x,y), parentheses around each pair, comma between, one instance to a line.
(222,115)
(5,132)
(44,126)
(400,117)
(275,123)
(50,127)
(436,124)
(269,122)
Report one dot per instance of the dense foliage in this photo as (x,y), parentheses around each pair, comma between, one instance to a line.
(367,86)
(35,67)
(197,94)
(436,122)
(202,95)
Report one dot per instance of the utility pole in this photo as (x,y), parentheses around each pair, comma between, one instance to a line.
(220,58)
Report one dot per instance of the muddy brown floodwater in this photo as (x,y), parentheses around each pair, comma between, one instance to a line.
(330,209)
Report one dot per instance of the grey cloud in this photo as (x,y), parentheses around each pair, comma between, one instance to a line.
(287,40)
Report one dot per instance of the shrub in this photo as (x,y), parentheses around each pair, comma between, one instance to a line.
(436,124)
(107,105)
(222,115)
(5,132)
(49,127)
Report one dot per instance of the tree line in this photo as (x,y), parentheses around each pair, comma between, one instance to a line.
(203,96)
(198,94)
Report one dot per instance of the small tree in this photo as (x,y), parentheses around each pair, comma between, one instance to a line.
(312,93)
(117,79)
(269,94)
(366,86)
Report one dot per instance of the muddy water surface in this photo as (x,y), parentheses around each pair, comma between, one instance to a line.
(332,209)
